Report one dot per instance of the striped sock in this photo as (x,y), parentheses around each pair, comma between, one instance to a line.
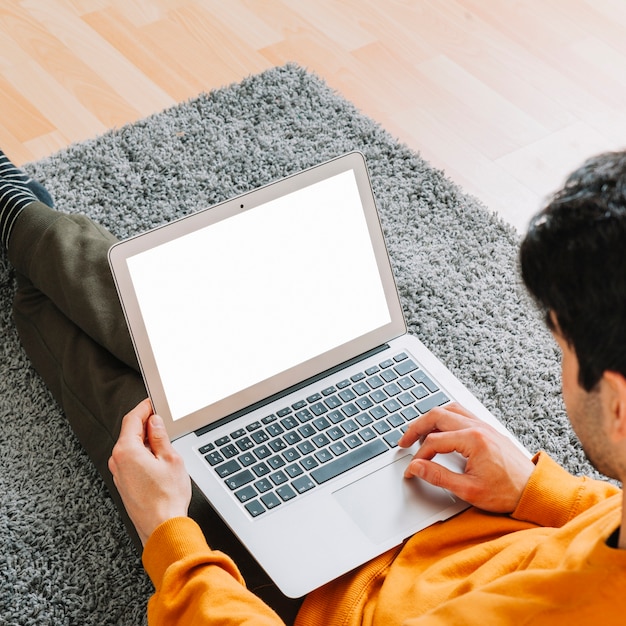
(8,171)
(14,196)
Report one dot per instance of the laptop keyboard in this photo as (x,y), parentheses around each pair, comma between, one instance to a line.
(290,452)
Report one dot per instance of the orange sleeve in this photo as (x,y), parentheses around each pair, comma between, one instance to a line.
(194,584)
(553,496)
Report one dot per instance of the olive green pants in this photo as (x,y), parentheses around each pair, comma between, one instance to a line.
(72,327)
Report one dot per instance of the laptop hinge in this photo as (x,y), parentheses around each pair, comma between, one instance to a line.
(286,392)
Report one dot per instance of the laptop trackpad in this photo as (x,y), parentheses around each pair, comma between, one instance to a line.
(385,503)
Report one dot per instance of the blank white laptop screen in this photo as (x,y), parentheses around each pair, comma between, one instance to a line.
(253,295)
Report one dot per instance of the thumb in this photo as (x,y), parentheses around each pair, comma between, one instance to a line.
(434,474)
(158,440)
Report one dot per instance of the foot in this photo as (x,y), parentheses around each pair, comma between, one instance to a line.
(10,172)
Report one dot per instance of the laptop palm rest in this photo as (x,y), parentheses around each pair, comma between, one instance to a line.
(384,502)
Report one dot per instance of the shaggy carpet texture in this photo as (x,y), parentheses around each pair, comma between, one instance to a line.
(64,555)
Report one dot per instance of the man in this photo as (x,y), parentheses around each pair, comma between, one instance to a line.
(538,545)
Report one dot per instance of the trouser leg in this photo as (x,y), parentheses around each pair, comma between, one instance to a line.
(72,327)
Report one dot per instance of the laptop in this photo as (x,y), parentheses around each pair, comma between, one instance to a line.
(272,342)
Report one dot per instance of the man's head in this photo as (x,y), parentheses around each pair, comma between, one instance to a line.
(573,262)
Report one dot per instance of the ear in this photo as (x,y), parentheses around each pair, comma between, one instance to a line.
(615,402)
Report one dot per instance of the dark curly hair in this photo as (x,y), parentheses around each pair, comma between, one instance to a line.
(573,262)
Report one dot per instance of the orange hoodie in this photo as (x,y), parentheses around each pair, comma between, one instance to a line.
(547,563)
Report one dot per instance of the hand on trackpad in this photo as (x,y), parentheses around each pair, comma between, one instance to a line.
(386,506)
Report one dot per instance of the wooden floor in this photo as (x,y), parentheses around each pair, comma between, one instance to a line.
(506,96)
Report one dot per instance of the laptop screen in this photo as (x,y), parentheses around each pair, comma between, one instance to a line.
(241,300)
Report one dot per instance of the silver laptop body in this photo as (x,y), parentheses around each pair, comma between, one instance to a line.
(265,328)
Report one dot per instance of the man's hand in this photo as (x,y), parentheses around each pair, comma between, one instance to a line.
(148,473)
(496,471)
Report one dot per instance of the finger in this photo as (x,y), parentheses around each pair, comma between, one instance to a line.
(437,475)
(444,442)
(449,417)
(158,439)
(133,424)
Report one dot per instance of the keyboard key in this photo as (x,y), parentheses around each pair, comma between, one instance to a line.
(291,455)
(388,376)
(336,416)
(406,383)
(286,493)
(270,500)
(431,402)
(375,382)
(262,452)
(392,390)
(214,458)
(328,391)
(321,423)
(318,408)
(392,438)
(304,416)
(292,438)
(240,432)
(349,426)
(387,363)
(269,419)
(348,461)
(278,478)
(361,389)
(395,420)
(382,427)
(289,422)
(338,448)
(275,462)
(378,396)
(293,470)
(323,455)
(405,367)
(421,377)
(333,402)
(207,448)
(400,357)
(303,484)
(409,413)
(357,377)
(228,468)
(347,395)
(343,384)
(222,440)
(314,398)
(245,443)
(353,441)
(298,405)
(364,419)
(273,430)
(239,480)
(349,410)
(247,459)
(367,434)
(392,405)
(260,469)
(334,433)
(255,508)
(306,447)
(277,445)
(263,485)
(320,440)
(259,436)
(372,370)
(247,493)
(378,412)
(364,403)
(253,426)
(406,398)
(309,463)
(284,411)
(229,451)
(307,430)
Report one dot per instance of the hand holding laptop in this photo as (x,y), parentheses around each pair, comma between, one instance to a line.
(496,472)
(155,487)
(148,473)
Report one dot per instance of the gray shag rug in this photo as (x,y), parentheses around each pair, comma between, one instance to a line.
(64,555)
